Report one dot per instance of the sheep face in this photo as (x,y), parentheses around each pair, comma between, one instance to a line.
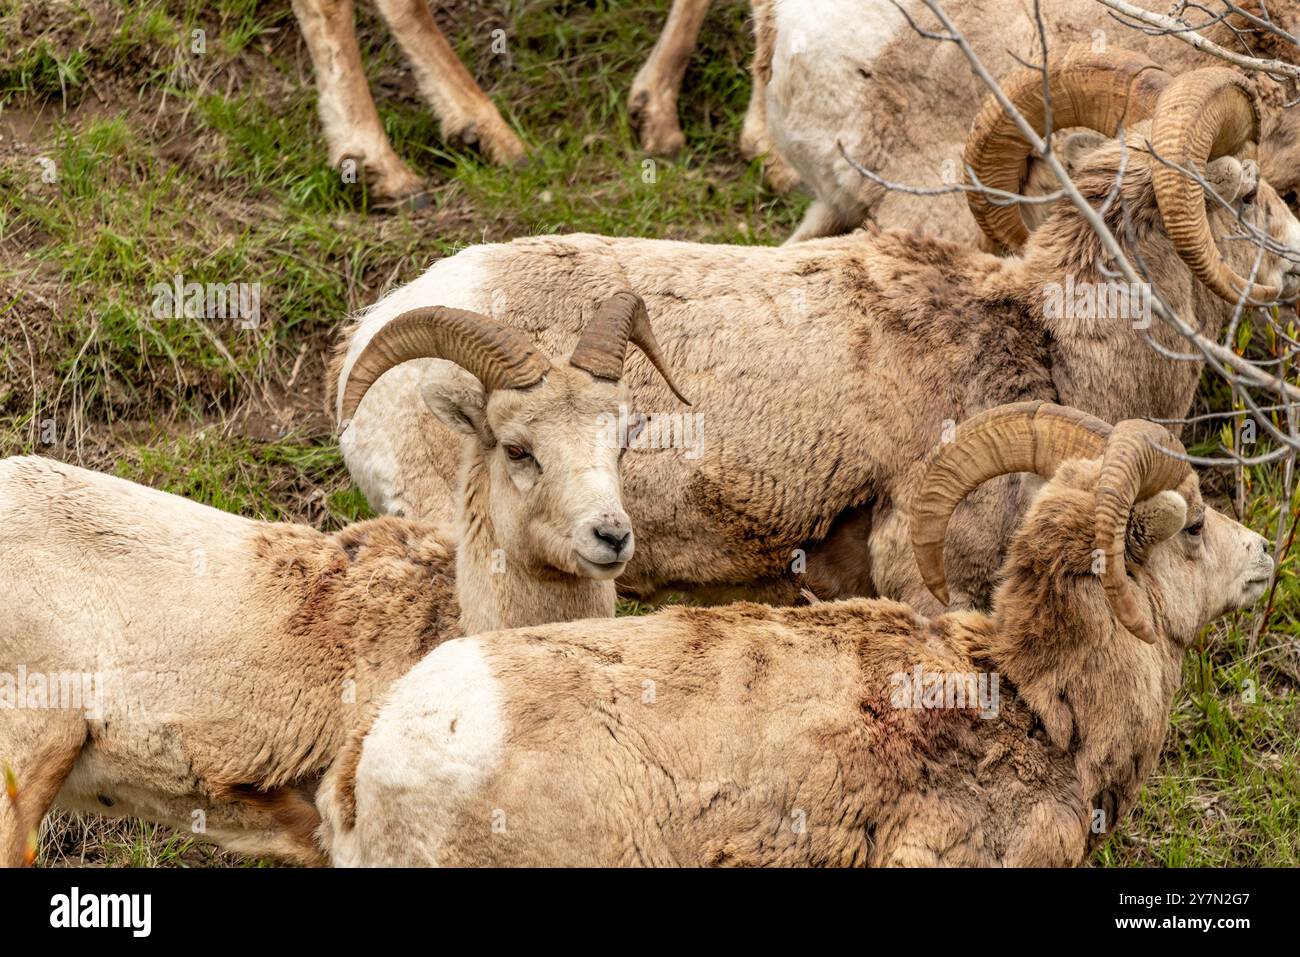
(1235,178)
(1201,563)
(1259,205)
(1191,563)
(550,459)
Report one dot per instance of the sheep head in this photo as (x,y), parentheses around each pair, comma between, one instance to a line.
(1071,149)
(1206,121)
(1166,564)
(1100,92)
(1279,144)
(543,462)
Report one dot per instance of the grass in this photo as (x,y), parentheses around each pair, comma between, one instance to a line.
(210,165)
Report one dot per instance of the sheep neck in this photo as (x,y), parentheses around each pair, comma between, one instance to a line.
(497,592)
(1102,696)
(1101,359)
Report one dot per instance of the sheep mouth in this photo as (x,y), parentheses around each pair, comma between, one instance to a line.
(1253,589)
(599,570)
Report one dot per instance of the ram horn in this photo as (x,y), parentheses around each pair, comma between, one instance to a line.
(499,356)
(602,347)
(1022,437)
(1202,116)
(1133,468)
(1100,91)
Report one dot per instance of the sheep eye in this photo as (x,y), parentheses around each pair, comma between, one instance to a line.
(517,453)
(1195,528)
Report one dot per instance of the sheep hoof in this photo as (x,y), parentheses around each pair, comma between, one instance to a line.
(493,139)
(655,123)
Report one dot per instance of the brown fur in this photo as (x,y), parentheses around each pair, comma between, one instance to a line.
(36,782)
(224,688)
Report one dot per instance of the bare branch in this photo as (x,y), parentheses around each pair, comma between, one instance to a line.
(1188,34)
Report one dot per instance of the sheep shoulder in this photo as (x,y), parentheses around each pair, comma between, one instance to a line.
(382,592)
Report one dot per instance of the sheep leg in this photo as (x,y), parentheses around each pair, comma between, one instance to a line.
(352,128)
(821,219)
(465,112)
(755,138)
(755,141)
(652,100)
(839,566)
(39,749)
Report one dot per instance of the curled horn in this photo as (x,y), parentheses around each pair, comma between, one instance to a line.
(1202,116)
(1101,91)
(1133,468)
(1022,437)
(602,347)
(499,356)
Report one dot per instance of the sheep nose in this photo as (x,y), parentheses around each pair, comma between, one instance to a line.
(613,532)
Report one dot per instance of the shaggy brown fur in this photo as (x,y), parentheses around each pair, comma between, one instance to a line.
(750,735)
(230,657)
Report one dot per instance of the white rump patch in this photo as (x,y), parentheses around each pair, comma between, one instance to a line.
(853,29)
(432,746)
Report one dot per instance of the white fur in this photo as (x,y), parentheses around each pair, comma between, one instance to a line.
(459,287)
(416,772)
(818,48)
(1293,236)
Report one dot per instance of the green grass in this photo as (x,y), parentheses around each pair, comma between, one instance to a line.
(212,166)
(271,481)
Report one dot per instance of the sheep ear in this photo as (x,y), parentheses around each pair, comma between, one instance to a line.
(1152,521)
(1231,178)
(1076,147)
(456,398)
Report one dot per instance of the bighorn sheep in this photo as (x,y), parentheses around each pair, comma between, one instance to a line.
(226,659)
(821,735)
(352,127)
(902,102)
(822,371)
(880,69)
